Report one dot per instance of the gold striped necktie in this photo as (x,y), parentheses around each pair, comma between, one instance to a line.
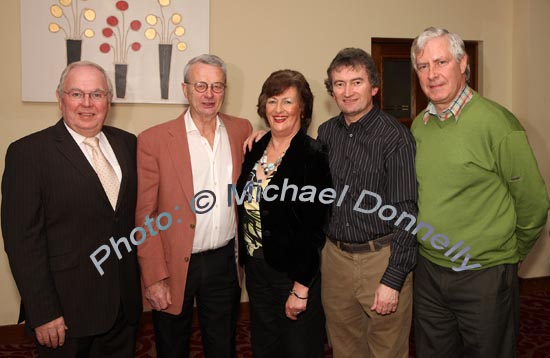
(104,170)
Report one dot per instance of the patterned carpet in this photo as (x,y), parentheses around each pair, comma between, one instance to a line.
(534,340)
(534,332)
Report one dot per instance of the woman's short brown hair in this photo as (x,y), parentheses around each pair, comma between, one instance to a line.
(280,81)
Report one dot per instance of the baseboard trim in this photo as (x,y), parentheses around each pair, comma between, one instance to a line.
(14,334)
(536,284)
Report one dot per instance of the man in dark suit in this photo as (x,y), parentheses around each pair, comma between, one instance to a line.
(67,190)
(195,257)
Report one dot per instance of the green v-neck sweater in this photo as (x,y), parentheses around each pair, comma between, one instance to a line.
(481,194)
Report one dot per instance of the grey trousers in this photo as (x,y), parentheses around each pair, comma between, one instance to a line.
(473,313)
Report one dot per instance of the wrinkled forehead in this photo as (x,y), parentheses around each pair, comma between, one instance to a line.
(205,72)
(435,47)
(351,70)
(85,76)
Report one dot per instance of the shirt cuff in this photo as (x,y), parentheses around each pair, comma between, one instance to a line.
(394,278)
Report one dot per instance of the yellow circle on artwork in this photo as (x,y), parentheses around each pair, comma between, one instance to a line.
(179,31)
(164,2)
(89,33)
(176,19)
(89,14)
(151,19)
(181,46)
(65,2)
(53,27)
(56,11)
(150,33)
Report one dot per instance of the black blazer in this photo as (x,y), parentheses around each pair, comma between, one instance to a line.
(55,214)
(292,230)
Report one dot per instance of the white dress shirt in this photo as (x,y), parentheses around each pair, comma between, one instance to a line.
(103,145)
(212,169)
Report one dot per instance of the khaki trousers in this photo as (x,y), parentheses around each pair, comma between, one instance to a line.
(349,282)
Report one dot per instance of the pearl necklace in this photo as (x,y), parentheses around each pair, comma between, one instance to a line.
(270,167)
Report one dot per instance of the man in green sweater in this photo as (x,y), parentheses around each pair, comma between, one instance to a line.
(485,201)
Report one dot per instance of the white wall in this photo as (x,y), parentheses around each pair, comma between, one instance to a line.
(530,99)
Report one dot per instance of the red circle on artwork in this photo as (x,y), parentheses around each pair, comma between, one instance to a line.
(107,32)
(136,46)
(122,5)
(112,20)
(135,25)
(104,47)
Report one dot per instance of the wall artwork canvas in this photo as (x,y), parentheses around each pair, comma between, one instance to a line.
(142,44)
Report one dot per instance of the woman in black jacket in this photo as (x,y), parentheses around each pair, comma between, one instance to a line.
(285,188)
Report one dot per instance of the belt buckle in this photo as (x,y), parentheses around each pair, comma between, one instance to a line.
(339,244)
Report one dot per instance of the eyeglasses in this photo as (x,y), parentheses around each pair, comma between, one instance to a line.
(217,87)
(78,95)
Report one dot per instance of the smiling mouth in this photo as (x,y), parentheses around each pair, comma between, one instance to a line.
(437,85)
(350,100)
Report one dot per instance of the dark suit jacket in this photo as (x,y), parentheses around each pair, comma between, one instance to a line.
(55,214)
(292,230)
(166,182)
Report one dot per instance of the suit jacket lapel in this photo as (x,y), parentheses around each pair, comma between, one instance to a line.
(70,150)
(236,146)
(178,147)
(122,156)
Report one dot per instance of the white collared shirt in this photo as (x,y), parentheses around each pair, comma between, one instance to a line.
(103,145)
(212,170)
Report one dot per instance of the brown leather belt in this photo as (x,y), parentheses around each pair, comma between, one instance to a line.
(369,246)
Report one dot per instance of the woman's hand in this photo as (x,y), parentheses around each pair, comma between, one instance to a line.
(297,301)
(253,138)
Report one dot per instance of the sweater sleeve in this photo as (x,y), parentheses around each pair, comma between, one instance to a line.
(518,169)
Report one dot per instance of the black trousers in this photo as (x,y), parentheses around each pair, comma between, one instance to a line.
(472,313)
(273,335)
(212,281)
(117,342)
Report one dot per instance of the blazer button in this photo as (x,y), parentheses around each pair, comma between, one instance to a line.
(192,226)
(266,233)
(186,259)
(265,213)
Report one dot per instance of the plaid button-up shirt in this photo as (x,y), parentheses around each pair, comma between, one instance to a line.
(453,110)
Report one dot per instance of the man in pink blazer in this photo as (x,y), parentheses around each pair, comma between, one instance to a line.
(184,168)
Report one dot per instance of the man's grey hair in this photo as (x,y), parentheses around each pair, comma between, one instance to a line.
(456,45)
(207,59)
(73,65)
